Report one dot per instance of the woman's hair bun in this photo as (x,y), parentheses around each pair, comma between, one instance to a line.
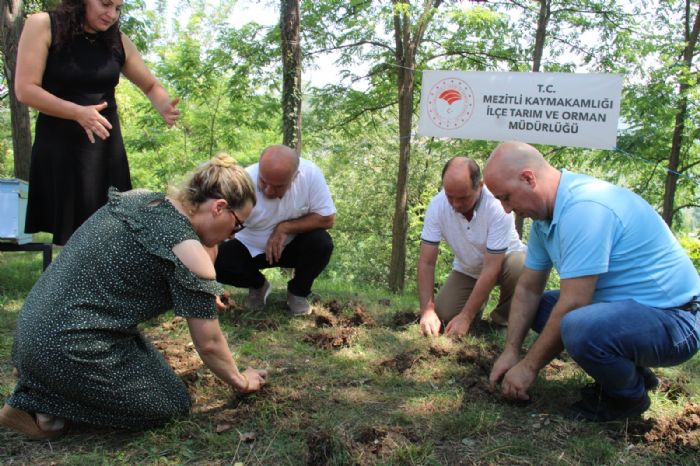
(222,159)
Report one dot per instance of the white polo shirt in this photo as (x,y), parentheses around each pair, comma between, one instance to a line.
(307,194)
(490,229)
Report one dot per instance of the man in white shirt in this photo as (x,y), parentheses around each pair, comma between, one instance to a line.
(287,228)
(487,252)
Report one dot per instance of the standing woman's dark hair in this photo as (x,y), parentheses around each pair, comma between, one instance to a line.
(70,15)
(69,62)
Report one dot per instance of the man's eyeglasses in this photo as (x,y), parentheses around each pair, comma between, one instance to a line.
(238,226)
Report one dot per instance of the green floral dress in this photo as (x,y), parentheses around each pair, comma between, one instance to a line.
(77,348)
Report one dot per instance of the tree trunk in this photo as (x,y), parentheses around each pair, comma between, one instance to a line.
(691,38)
(397,271)
(406,47)
(291,74)
(11,24)
(540,36)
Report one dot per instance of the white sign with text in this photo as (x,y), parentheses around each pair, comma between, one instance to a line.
(561,109)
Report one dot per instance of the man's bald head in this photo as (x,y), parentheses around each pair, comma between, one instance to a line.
(277,167)
(511,157)
(462,168)
(518,175)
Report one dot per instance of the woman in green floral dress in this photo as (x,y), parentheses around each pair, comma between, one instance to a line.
(79,354)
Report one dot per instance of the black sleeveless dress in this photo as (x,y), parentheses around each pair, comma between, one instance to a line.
(69,176)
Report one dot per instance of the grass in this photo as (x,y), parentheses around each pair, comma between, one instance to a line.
(382,395)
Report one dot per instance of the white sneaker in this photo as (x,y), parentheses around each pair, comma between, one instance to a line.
(257,297)
(298,305)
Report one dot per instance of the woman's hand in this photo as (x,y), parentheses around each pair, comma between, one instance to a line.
(170,112)
(222,302)
(252,380)
(93,122)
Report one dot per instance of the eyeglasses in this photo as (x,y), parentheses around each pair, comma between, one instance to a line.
(238,225)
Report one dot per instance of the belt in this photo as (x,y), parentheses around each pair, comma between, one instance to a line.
(692,305)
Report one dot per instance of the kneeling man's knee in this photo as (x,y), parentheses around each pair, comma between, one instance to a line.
(578,332)
(320,242)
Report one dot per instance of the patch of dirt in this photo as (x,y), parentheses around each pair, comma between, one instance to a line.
(360,317)
(324,449)
(476,387)
(180,354)
(438,351)
(402,319)
(403,361)
(334,307)
(231,305)
(674,388)
(381,442)
(554,367)
(483,358)
(177,321)
(325,321)
(178,350)
(265,324)
(678,432)
(332,339)
(331,315)
(372,439)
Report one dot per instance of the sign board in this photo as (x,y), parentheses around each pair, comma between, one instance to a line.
(561,109)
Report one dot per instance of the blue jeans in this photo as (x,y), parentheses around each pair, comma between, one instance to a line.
(611,341)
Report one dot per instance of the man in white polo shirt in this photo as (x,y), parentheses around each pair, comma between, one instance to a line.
(487,252)
(287,228)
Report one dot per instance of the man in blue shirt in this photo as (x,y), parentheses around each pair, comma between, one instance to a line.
(628,297)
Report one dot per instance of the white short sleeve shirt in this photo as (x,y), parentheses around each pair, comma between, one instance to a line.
(308,193)
(491,230)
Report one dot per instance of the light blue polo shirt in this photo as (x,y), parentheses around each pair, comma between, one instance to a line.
(602,229)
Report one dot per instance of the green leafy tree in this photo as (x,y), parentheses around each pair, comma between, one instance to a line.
(381,49)
(11,24)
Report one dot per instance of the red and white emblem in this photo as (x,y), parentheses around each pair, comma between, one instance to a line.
(450,103)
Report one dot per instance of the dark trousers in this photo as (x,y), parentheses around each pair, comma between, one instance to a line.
(308,254)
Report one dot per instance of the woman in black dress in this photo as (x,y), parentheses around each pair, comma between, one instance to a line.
(68,64)
(78,351)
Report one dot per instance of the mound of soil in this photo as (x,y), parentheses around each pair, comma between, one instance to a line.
(678,432)
(403,361)
(333,339)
